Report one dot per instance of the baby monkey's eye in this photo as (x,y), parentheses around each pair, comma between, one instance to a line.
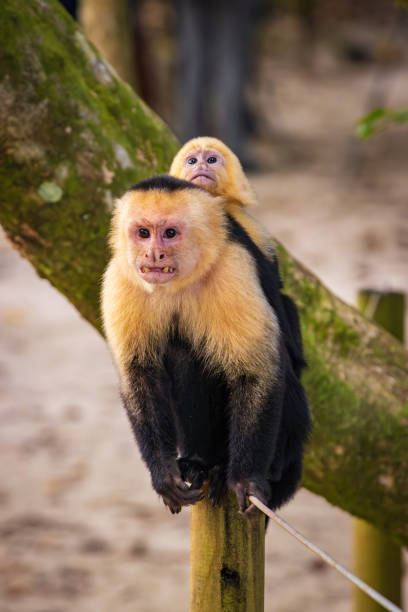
(192,161)
(143,232)
(212,159)
(170,232)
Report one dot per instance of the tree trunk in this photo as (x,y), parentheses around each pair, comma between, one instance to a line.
(73,137)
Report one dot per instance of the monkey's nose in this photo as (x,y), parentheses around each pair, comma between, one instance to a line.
(156,255)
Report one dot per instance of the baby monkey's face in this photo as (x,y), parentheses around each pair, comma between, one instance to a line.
(203,167)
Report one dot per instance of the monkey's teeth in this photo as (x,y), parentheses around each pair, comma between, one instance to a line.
(166,269)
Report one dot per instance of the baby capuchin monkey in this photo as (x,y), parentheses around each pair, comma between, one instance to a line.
(209,163)
(205,374)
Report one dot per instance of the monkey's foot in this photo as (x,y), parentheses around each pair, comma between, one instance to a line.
(260,488)
(218,485)
(193,471)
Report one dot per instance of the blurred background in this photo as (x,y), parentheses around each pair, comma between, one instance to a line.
(284,84)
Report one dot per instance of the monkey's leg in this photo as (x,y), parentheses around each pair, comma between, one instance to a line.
(286,469)
(256,414)
(218,485)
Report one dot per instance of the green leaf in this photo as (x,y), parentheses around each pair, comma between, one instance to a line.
(380,118)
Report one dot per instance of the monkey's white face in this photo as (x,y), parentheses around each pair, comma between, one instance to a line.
(202,167)
(156,249)
(168,238)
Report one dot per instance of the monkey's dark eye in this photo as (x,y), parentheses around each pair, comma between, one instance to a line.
(192,161)
(143,232)
(212,159)
(170,232)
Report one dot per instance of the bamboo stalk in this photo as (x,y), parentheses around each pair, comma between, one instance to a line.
(377,559)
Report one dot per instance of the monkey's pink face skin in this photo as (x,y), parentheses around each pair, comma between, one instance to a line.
(201,167)
(155,250)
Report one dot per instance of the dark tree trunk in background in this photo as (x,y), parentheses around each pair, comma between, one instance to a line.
(215,47)
(107,24)
(71,6)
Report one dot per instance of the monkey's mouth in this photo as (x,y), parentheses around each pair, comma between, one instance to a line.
(156,274)
(202,177)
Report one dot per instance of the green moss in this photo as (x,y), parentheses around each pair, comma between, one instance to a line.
(318,316)
(349,452)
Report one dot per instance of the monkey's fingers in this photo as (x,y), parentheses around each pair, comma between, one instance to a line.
(260,492)
(191,497)
(170,495)
(250,511)
(181,494)
(173,502)
(241,493)
(245,488)
(185,491)
(174,508)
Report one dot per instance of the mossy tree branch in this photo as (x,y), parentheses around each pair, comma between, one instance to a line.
(72,138)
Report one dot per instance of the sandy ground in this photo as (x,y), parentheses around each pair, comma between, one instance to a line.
(80,527)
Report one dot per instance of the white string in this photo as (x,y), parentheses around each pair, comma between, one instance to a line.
(383,601)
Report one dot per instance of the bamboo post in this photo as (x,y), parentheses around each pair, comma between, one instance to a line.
(227,561)
(378,560)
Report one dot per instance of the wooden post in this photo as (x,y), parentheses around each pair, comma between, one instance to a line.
(377,560)
(227,559)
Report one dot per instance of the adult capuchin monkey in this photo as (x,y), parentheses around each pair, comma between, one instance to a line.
(205,373)
(209,163)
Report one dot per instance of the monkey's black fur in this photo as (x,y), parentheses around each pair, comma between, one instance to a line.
(164,182)
(284,307)
(182,405)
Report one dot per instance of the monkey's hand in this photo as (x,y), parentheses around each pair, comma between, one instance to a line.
(218,485)
(193,471)
(260,488)
(174,491)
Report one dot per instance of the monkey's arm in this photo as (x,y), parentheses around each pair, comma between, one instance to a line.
(148,406)
(145,386)
(255,416)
